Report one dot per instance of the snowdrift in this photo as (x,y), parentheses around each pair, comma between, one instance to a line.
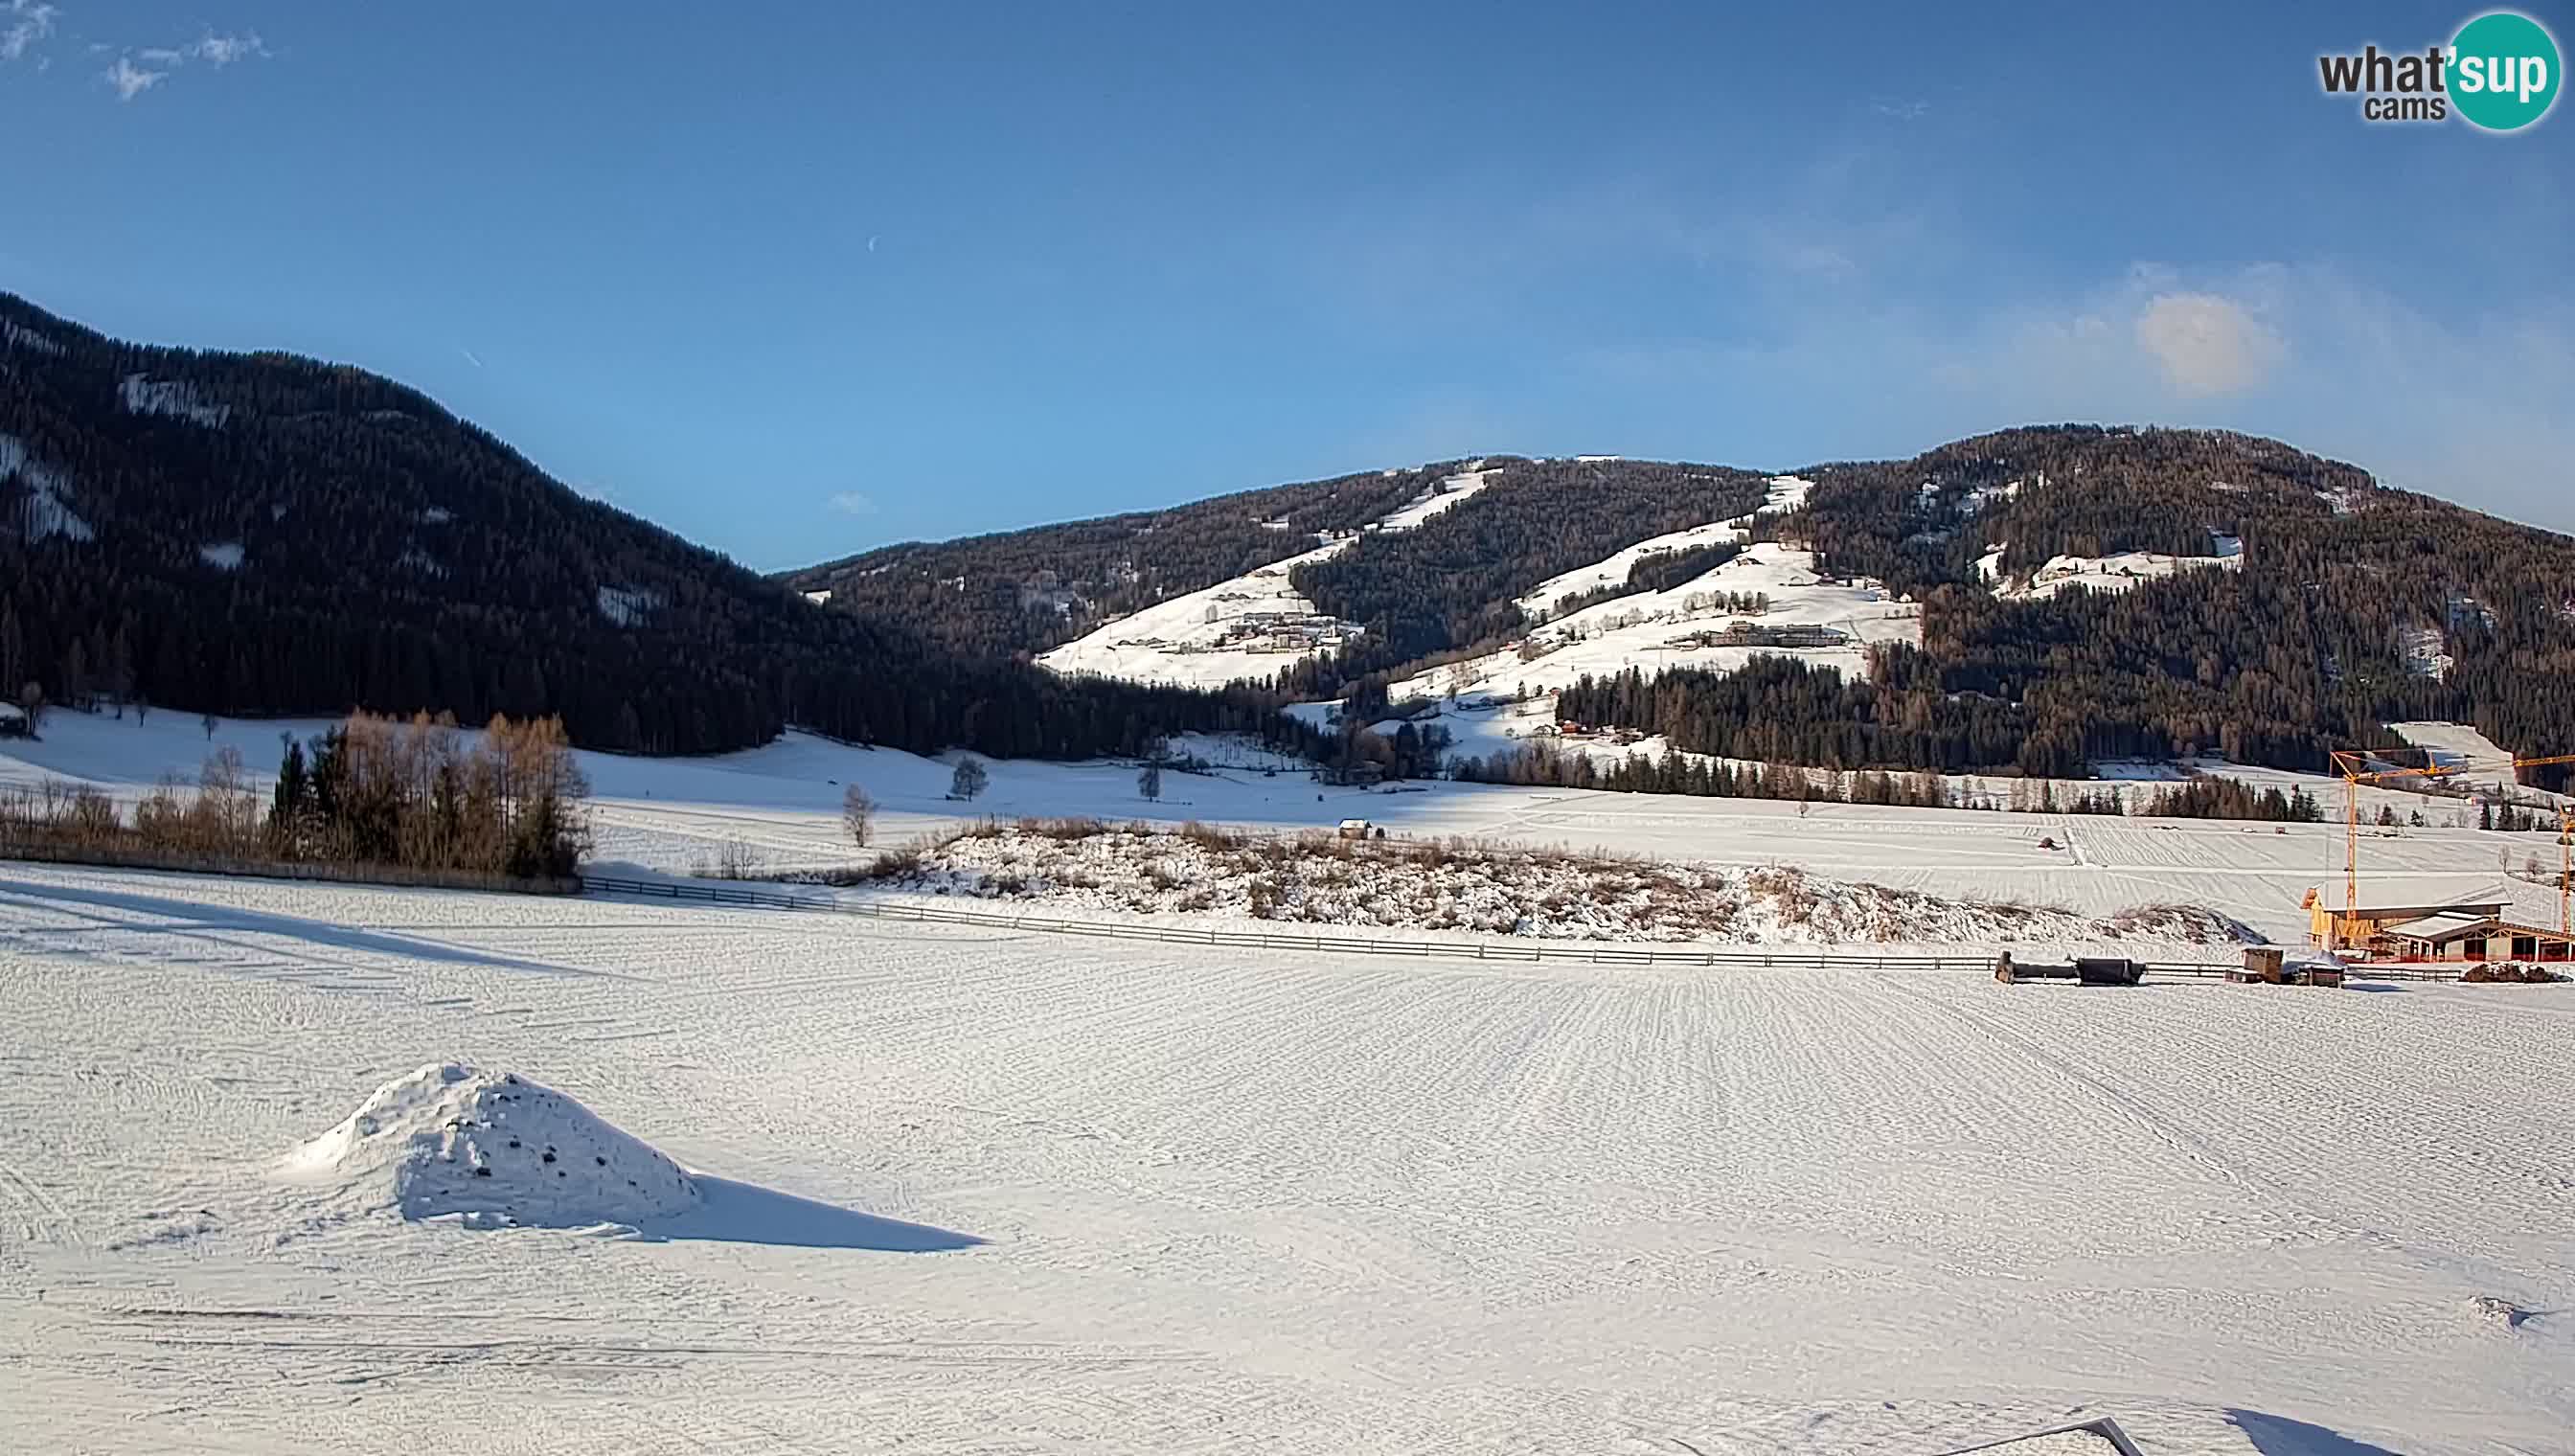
(493,1150)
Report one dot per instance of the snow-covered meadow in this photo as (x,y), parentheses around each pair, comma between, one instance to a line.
(961,1191)
(782,804)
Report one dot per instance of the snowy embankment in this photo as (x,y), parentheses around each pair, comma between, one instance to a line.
(1328,880)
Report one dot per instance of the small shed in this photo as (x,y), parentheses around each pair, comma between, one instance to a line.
(1354,828)
(2275,965)
(13,721)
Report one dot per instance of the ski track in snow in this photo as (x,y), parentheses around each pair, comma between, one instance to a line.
(1255,1200)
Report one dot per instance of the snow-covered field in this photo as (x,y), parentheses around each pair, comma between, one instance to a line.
(782,803)
(2458,747)
(939,1189)
(2124,572)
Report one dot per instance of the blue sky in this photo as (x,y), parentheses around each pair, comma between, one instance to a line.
(794,279)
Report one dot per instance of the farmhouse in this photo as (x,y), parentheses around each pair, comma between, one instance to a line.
(2393,904)
(2451,936)
(2417,923)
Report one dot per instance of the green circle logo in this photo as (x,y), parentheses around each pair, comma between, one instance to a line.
(2503,71)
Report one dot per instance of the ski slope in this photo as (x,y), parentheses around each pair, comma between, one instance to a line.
(1254,626)
(1654,631)
(992,1192)
(1787,493)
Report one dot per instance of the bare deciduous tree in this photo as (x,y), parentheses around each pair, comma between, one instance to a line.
(858,816)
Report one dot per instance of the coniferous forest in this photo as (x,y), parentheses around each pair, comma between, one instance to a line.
(2313,643)
(265,534)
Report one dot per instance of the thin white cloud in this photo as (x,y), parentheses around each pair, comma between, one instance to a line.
(157,63)
(854,502)
(470,356)
(29,22)
(131,80)
(223,50)
(2208,343)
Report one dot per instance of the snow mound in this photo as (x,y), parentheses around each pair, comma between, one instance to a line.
(493,1150)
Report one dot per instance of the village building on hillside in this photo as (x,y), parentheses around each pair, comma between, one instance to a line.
(1741,634)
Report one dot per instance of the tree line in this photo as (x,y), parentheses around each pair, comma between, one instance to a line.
(416,795)
(1544,765)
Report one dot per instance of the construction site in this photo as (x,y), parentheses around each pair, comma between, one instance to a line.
(2395,922)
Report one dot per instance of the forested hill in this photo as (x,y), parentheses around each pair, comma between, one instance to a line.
(1417,592)
(2291,604)
(2342,604)
(267,534)
(1026,590)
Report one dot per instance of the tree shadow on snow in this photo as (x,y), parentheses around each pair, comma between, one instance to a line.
(2280,1436)
(744,1213)
(197,916)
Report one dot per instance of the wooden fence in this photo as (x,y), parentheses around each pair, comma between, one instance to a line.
(1586,951)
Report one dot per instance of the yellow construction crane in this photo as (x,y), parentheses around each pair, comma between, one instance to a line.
(2354,767)
(2565,843)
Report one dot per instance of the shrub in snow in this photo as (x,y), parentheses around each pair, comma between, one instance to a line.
(493,1150)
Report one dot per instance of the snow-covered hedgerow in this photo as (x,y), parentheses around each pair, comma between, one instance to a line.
(1319,878)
